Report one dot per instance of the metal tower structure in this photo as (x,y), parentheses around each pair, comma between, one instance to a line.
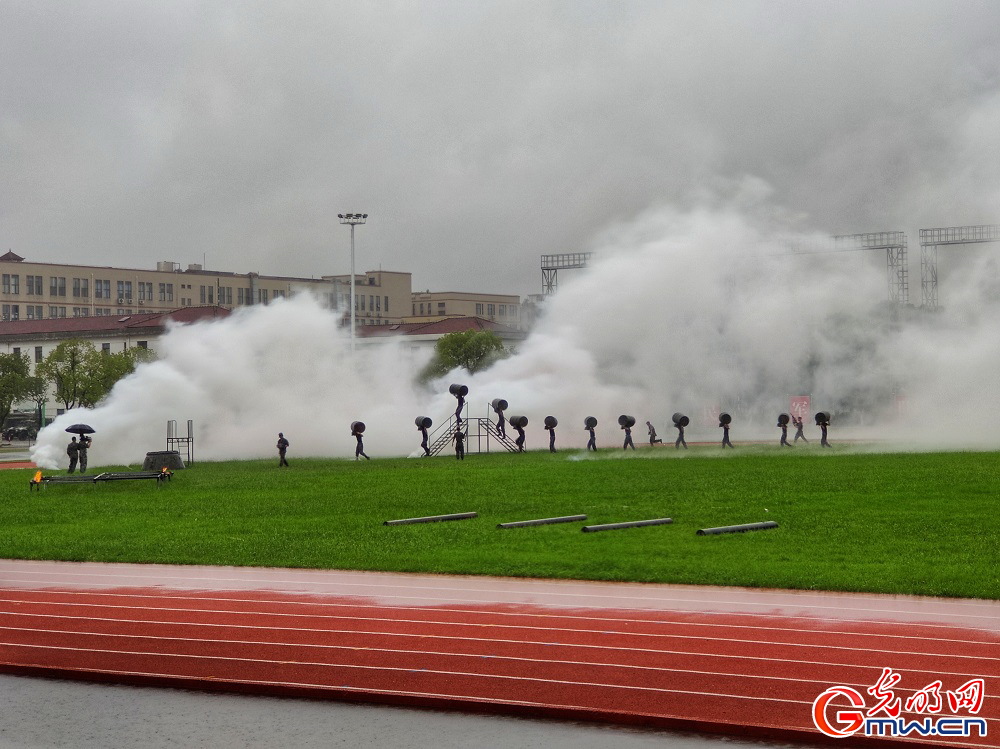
(895,246)
(551,264)
(897,267)
(931,239)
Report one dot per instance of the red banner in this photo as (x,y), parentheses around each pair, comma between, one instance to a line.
(798,406)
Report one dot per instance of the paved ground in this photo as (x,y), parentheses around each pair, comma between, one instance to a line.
(719,660)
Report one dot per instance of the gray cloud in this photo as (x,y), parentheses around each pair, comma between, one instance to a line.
(478,135)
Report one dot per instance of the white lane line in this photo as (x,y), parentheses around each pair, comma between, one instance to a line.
(558,591)
(437,672)
(483,700)
(451,654)
(491,640)
(493,625)
(481,612)
(397,669)
(478,700)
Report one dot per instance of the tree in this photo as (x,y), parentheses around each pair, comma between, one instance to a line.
(66,369)
(37,391)
(15,372)
(472,350)
(82,375)
(105,369)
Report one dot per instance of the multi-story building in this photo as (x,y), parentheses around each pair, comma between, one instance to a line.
(381,297)
(427,306)
(109,333)
(36,291)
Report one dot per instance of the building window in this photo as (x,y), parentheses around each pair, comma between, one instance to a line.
(378,304)
(263,296)
(125,292)
(503,310)
(362,297)
(226,295)
(10,312)
(414,310)
(38,354)
(490,309)
(387,305)
(145,291)
(479,309)
(440,308)
(81,312)
(371,303)
(105,348)
(34,285)
(102,288)
(17,351)
(11,283)
(35,312)
(142,344)
(57,286)
(55,312)
(81,287)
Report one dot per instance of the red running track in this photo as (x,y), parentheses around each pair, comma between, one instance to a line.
(725,660)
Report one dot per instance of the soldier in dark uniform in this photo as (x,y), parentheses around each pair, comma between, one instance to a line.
(784,433)
(552,439)
(73,451)
(628,438)
(461,405)
(520,438)
(680,436)
(798,430)
(359,451)
(83,446)
(592,442)
(423,440)
(282,447)
(725,435)
(822,426)
(653,439)
(459,439)
(501,422)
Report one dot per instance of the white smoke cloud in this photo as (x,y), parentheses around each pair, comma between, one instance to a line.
(682,310)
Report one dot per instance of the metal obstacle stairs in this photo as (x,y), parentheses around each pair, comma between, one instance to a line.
(481,435)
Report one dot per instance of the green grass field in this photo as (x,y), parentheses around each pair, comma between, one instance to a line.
(891,523)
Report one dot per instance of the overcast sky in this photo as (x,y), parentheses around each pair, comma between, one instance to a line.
(479,135)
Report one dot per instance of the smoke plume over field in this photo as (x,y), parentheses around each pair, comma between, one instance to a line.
(687,311)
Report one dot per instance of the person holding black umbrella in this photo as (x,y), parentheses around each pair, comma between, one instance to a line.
(82,448)
(77,451)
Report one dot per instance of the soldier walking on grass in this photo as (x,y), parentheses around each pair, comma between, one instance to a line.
(282,447)
(798,430)
(359,451)
(724,422)
(423,440)
(783,426)
(459,439)
(653,439)
(628,438)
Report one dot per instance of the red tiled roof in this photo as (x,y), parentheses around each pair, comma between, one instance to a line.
(21,329)
(437,327)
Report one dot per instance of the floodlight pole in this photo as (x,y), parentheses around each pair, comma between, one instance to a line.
(352,219)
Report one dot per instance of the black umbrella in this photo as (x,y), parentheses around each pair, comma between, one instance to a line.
(80,429)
